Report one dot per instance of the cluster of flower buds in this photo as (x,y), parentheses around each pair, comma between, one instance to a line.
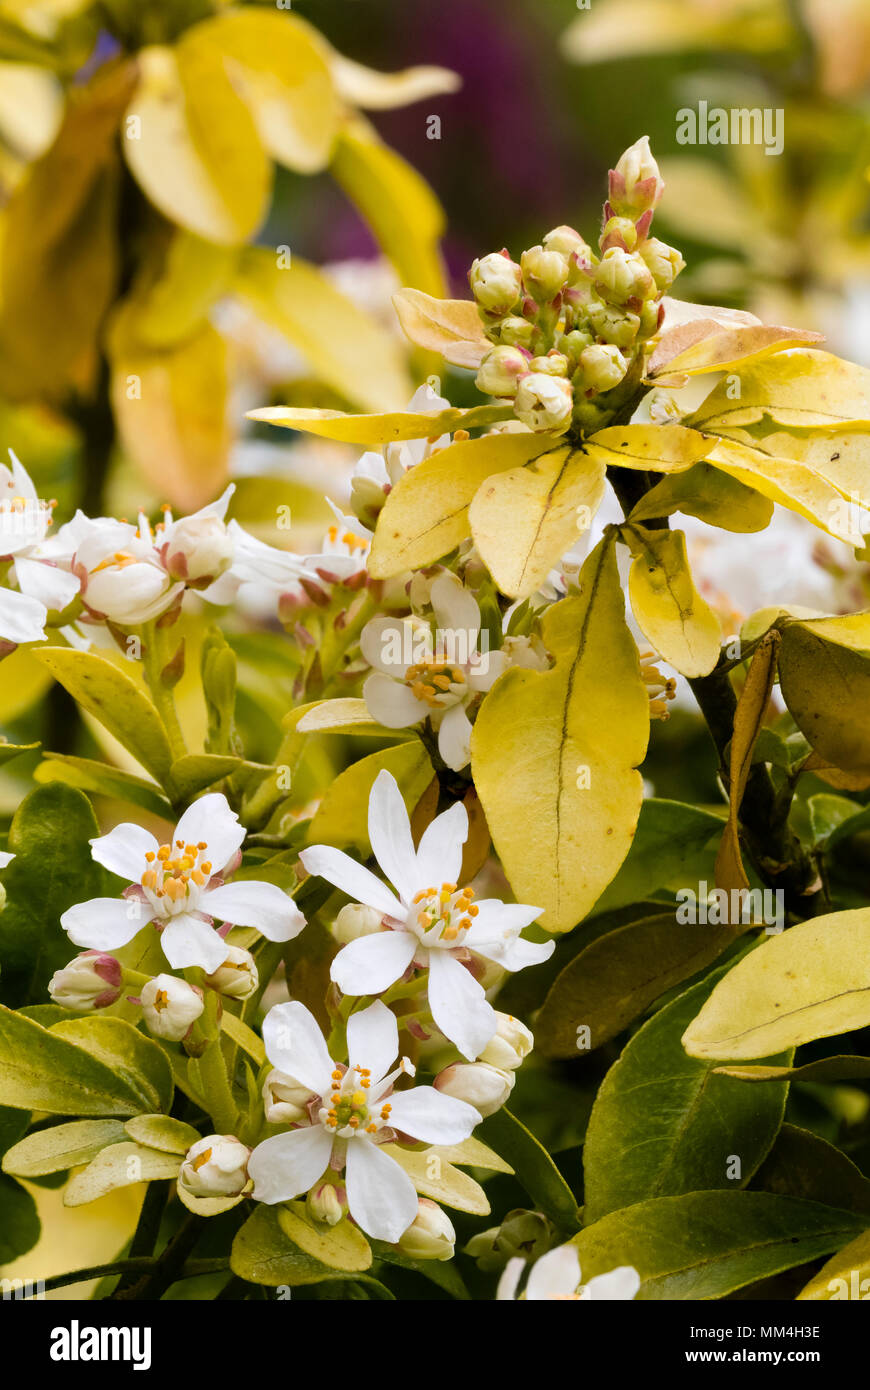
(522,1233)
(487,1083)
(569,327)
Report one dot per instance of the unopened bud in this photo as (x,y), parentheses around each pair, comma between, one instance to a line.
(573,343)
(199,549)
(619,326)
(544,402)
(170,1006)
(516,332)
(500,371)
(663,262)
(511,1043)
(285,1100)
(554,364)
(496,283)
(603,367)
(635,185)
(525,1233)
(651,318)
(623,278)
(619,231)
(216,1166)
(237,978)
(327,1203)
(355,920)
(479,1084)
(567,242)
(544,273)
(430,1236)
(91,981)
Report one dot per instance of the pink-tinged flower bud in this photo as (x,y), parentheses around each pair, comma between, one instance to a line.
(651,318)
(619,326)
(516,332)
(603,367)
(496,283)
(90,981)
(327,1203)
(623,278)
(216,1166)
(500,370)
(511,1043)
(430,1235)
(198,550)
(663,262)
(554,364)
(544,273)
(285,1100)
(620,232)
(170,1006)
(237,978)
(635,185)
(544,402)
(355,920)
(568,243)
(478,1083)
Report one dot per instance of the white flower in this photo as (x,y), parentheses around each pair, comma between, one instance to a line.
(431,1235)
(215,1167)
(122,577)
(432,924)
(170,1006)
(345,550)
(39,583)
(556,1276)
(180,888)
(237,977)
(485,1087)
(512,1042)
(544,402)
(5,858)
(354,1112)
(91,981)
(416,677)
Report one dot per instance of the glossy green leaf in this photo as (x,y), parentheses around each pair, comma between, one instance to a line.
(533,1166)
(60,1147)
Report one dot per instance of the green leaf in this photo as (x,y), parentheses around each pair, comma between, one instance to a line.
(61,1147)
(826,686)
(41,1069)
(341,1247)
(19,1222)
(88,775)
(263,1254)
(162,1132)
(533,1166)
(113,698)
(664,1123)
(442,1273)
(824,1069)
(8,751)
(669,836)
(802,1164)
(132,1056)
(705,1245)
(342,816)
(52,870)
(120,1165)
(812,981)
(709,494)
(193,772)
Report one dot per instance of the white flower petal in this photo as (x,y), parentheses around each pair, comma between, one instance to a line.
(439,853)
(46,583)
(620,1283)
(390,835)
(483,674)
(386,644)
(5,858)
(459,1005)
(390,703)
(455,607)
(210,819)
(188,940)
(373,1040)
(294,1044)
(247,903)
(380,1195)
(371,964)
(123,851)
(22,619)
(454,738)
(510,1279)
(354,879)
(104,924)
(287,1165)
(427,1114)
(555,1274)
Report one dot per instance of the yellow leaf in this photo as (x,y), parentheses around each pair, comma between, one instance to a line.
(661,448)
(113,1168)
(194,274)
(793,485)
(748,720)
(669,610)
(555,753)
(622,28)
(523,521)
(812,981)
(381,91)
(345,716)
(451,327)
(361,359)
(840,453)
(440,1180)
(845,1276)
(398,205)
(426,513)
(826,685)
(803,387)
(192,143)
(380,429)
(341,818)
(342,1247)
(709,494)
(717,352)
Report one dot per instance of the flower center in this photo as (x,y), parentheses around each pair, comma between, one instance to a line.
(436,683)
(172,875)
(348,1105)
(120,560)
(443,914)
(353,542)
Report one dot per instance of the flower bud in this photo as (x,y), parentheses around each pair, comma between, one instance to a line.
(216,1166)
(237,978)
(573,343)
(285,1100)
(430,1236)
(516,332)
(568,243)
(554,364)
(623,278)
(619,326)
(496,283)
(618,231)
(511,1043)
(198,550)
(544,273)
(479,1084)
(90,981)
(500,369)
(355,920)
(663,262)
(170,1006)
(327,1203)
(544,402)
(635,185)
(127,591)
(603,367)
(525,1233)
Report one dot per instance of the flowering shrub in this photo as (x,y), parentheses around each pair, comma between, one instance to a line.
(313,991)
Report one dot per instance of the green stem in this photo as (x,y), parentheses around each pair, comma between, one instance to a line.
(154,658)
(217,1089)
